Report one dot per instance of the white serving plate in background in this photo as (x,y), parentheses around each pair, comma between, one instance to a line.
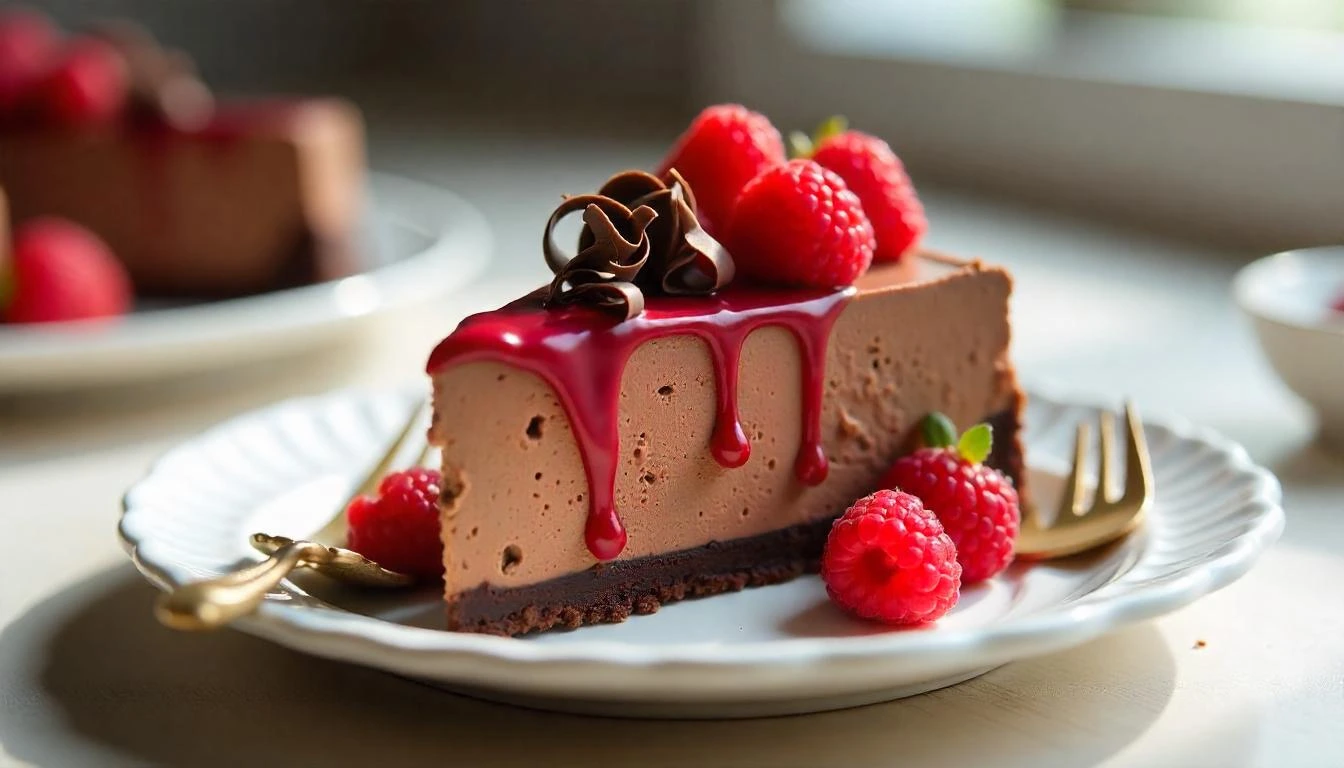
(420,243)
(774,650)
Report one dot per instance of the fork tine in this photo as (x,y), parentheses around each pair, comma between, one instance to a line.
(1138,464)
(1106,472)
(1074,488)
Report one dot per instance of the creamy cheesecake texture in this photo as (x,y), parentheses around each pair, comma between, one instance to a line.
(516,496)
(263,196)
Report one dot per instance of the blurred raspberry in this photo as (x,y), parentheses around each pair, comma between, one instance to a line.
(61,271)
(88,84)
(28,49)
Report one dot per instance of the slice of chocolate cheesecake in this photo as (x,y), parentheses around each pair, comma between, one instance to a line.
(198,197)
(261,196)
(595,468)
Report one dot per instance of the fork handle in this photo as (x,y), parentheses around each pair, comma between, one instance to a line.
(212,603)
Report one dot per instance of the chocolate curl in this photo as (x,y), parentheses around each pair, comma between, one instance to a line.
(684,259)
(640,236)
(696,263)
(612,252)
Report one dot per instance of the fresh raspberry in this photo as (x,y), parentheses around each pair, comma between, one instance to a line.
(977,505)
(28,47)
(1338,306)
(798,225)
(399,529)
(61,271)
(888,559)
(874,173)
(89,84)
(725,147)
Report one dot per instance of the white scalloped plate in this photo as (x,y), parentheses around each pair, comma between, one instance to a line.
(774,650)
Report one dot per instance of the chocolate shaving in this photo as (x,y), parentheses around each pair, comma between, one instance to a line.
(601,274)
(164,84)
(677,256)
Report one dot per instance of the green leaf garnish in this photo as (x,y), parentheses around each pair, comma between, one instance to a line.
(975,444)
(938,431)
(833,126)
(800,145)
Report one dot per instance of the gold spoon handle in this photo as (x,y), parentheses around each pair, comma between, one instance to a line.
(212,603)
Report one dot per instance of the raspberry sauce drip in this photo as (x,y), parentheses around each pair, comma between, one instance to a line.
(730,445)
(811,466)
(581,354)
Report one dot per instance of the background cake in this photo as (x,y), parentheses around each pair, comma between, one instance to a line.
(196,197)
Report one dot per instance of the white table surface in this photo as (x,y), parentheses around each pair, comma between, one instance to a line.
(88,678)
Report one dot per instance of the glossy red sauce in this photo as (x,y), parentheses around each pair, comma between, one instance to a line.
(581,353)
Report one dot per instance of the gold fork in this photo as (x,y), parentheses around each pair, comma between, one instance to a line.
(212,603)
(1078,527)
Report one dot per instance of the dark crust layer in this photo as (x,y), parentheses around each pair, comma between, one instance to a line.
(1007,454)
(611,592)
(310,259)
(313,259)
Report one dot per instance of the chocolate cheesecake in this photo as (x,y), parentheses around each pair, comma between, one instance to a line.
(198,197)
(610,453)
(260,196)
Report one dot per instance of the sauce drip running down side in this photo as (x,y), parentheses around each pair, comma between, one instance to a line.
(581,353)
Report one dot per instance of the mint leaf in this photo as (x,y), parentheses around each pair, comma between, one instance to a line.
(800,145)
(938,431)
(974,446)
(834,126)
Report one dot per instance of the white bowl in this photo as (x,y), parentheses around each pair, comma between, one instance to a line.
(1288,296)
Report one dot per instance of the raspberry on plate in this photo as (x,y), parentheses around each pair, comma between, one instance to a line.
(89,83)
(976,504)
(60,271)
(888,559)
(725,147)
(28,46)
(399,529)
(876,175)
(798,225)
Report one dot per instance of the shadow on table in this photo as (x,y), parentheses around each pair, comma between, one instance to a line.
(92,661)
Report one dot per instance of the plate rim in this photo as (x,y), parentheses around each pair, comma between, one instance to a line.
(460,245)
(362,638)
